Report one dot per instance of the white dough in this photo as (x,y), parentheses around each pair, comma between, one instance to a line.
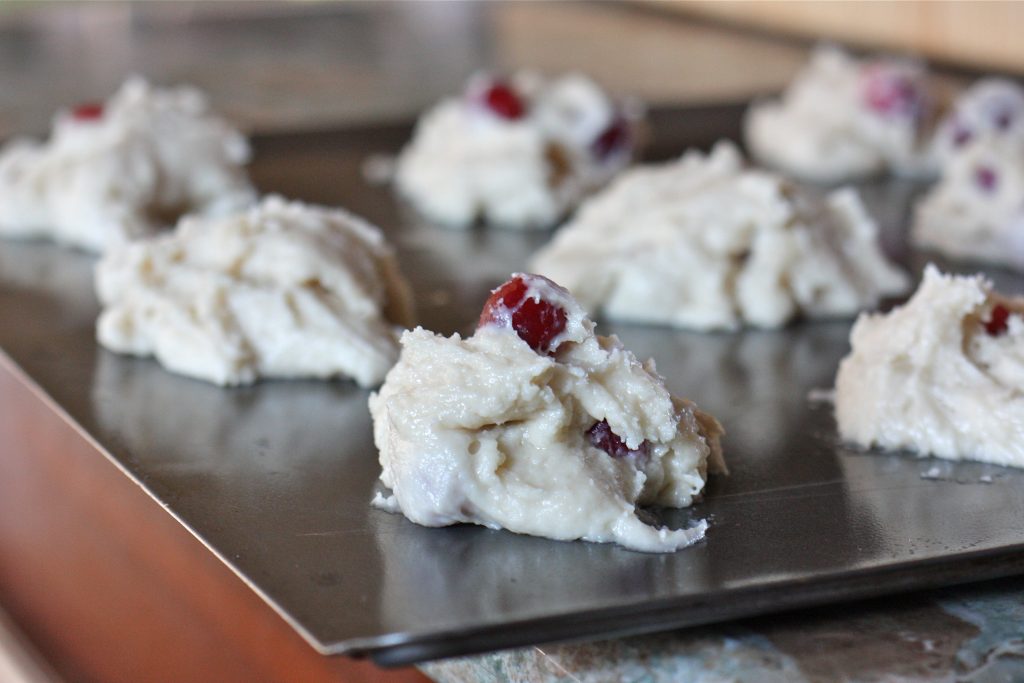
(466,163)
(282,289)
(992,108)
(149,157)
(976,211)
(703,243)
(485,430)
(843,118)
(929,377)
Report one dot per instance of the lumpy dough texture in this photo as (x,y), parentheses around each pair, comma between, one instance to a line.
(119,171)
(843,118)
(942,375)
(517,153)
(976,211)
(490,431)
(282,289)
(704,243)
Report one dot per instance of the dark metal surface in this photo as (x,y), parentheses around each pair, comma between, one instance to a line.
(276,479)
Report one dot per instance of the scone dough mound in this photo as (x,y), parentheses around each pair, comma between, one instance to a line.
(518,153)
(992,108)
(844,118)
(942,375)
(118,171)
(705,244)
(282,289)
(536,425)
(976,211)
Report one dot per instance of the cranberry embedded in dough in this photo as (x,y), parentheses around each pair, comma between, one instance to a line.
(502,100)
(997,323)
(89,111)
(536,321)
(986,178)
(1003,119)
(890,93)
(612,139)
(601,436)
(961,135)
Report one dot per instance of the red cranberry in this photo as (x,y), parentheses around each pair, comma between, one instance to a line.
(891,94)
(601,436)
(537,322)
(997,323)
(612,139)
(504,101)
(1003,118)
(90,111)
(961,136)
(986,178)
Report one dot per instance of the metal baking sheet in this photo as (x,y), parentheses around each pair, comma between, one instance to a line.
(276,479)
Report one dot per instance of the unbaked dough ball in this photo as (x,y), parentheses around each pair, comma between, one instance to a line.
(992,109)
(843,118)
(705,243)
(121,170)
(519,153)
(976,211)
(942,375)
(538,425)
(280,290)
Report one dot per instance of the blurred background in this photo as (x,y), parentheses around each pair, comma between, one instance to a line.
(299,65)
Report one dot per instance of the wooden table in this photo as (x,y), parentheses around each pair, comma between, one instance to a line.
(109,587)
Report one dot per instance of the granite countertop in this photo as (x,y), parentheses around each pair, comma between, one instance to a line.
(970,633)
(275,66)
